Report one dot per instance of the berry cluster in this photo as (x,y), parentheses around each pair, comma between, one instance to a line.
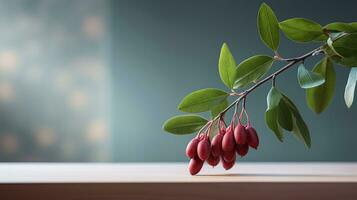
(236,138)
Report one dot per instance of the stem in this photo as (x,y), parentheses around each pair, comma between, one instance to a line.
(204,127)
(291,62)
(273,81)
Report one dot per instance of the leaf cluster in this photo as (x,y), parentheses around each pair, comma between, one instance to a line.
(338,43)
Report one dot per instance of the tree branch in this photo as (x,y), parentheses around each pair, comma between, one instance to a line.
(291,62)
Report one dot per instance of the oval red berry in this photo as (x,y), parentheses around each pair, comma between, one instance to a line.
(195,165)
(191,149)
(204,149)
(240,135)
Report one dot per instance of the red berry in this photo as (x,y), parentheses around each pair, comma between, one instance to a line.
(253,139)
(228,143)
(242,149)
(191,149)
(228,165)
(213,160)
(229,156)
(204,148)
(195,165)
(240,135)
(216,145)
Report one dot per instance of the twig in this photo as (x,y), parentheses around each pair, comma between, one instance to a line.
(291,62)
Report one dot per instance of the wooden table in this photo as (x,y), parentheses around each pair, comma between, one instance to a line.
(157,181)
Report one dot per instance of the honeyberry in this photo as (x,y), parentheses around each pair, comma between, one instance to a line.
(242,149)
(240,135)
(228,143)
(195,165)
(228,165)
(253,139)
(213,160)
(216,145)
(229,156)
(191,149)
(204,148)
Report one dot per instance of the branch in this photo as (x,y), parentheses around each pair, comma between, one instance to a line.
(292,62)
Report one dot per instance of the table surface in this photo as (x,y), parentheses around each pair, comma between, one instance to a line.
(175,173)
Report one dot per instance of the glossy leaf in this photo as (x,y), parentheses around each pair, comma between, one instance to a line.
(271,119)
(289,119)
(284,116)
(308,79)
(346,45)
(321,38)
(318,98)
(301,30)
(227,66)
(219,108)
(345,61)
(271,114)
(252,69)
(354,25)
(300,128)
(350,87)
(340,27)
(202,100)
(268,27)
(348,62)
(273,98)
(279,111)
(184,124)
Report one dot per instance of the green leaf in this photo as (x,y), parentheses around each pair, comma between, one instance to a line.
(350,87)
(252,69)
(268,27)
(301,30)
(271,114)
(300,129)
(354,25)
(345,61)
(271,119)
(282,112)
(348,62)
(346,45)
(273,98)
(227,66)
(321,38)
(318,98)
(308,79)
(219,108)
(340,27)
(184,124)
(202,100)
(279,111)
(284,116)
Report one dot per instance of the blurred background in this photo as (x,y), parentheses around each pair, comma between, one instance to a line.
(93,80)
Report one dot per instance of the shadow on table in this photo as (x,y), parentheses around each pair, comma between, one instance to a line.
(279,175)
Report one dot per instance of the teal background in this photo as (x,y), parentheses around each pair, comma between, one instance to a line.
(164,49)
